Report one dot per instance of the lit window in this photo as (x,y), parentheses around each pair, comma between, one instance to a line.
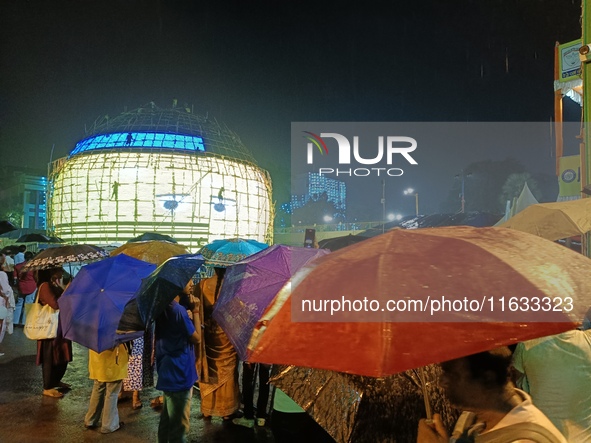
(139,140)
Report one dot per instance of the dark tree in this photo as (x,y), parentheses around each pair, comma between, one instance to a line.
(483,184)
(315,210)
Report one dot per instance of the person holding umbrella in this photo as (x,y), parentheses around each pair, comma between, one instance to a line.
(494,410)
(175,363)
(53,354)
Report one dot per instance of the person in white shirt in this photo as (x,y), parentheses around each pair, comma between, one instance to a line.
(20,255)
(6,304)
(8,268)
(495,410)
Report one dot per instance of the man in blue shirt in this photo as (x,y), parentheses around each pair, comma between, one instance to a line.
(175,363)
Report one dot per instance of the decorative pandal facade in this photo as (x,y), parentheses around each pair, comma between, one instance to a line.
(159,170)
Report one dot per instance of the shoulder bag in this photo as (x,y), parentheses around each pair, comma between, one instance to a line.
(42,321)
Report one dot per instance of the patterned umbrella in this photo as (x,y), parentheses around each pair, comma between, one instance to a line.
(223,253)
(156,252)
(70,254)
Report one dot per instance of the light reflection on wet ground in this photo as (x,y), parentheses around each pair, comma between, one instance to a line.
(27,416)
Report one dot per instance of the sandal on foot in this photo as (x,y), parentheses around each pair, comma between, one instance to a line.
(137,405)
(156,402)
(52,393)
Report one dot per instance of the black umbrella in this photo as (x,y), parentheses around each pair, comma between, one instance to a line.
(30,238)
(149,236)
(158,290)
(20,232)
(340,242)
(10,249)
(6,226)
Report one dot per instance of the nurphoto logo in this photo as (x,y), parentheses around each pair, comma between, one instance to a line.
(400,145)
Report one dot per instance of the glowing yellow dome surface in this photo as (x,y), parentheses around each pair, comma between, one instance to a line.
(144,178)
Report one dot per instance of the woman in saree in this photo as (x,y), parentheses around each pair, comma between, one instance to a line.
(217,362)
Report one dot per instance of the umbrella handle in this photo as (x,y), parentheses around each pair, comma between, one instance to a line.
(422,377)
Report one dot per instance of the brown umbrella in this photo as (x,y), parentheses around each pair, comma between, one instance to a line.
(154,251)
(553,221)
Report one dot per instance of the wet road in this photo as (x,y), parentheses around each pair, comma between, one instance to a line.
(27,416)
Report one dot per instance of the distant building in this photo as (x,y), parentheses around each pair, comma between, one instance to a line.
(311,186)
(22,197)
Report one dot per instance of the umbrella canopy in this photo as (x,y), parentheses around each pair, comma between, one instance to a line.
(70,254)
(159,289)
(30,238)
(14,234)
(6,226)
(251,285)
(490,274)
(147,236)
(553,221)
(154,251)
(359,409)
(92,305)
(223,253)
(336,243)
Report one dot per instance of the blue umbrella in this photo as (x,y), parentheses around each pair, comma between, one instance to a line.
(91,307)
(159,289)
(226,252)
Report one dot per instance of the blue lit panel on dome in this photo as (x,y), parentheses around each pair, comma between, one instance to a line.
(139,140)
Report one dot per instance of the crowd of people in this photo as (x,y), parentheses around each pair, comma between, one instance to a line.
(536,392)
(185,347)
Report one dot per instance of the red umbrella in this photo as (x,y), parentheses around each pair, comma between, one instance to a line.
(507,286)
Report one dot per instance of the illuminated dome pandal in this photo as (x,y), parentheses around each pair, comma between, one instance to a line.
(163,170)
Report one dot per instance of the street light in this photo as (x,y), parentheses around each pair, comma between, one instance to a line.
(411,191)
(463,176)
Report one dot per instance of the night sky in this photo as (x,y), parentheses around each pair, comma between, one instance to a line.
(259,65)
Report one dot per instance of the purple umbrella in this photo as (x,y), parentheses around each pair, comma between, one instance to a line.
(251,285)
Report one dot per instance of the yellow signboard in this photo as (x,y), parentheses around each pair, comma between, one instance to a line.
(569,180)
